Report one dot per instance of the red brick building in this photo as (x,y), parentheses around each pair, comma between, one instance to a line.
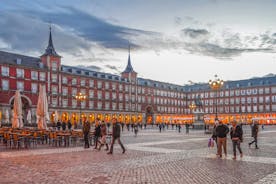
(127,97)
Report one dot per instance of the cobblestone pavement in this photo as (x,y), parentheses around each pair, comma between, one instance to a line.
(151,157)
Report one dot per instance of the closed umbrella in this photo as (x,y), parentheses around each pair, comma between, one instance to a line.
(56,117)
(17,121)
(29,117)
(42,109)
(7,116)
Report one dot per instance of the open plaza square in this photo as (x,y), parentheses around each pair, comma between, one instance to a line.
(150,157)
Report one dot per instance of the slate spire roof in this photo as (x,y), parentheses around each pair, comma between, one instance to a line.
(129,68)
(50,50)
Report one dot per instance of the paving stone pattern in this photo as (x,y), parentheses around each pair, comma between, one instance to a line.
(152,157)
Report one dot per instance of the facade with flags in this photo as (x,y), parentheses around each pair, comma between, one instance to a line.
(125,96)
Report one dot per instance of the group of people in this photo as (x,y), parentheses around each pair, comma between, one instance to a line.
(63,125)
(100,134)
(220,132)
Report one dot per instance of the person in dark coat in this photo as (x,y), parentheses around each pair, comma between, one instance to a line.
(86,130)
(236,135)
(214,134)
(221,132)
(116,134)
(69,124)
(97,133)
(63,125)
(103,136)
(58,125)
(254,134)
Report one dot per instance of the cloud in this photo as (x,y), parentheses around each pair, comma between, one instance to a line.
(225,45)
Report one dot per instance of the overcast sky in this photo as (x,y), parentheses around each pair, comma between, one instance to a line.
(172,41)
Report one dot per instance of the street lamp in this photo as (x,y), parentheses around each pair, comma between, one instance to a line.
(80,97)
(216,85)
(192,107)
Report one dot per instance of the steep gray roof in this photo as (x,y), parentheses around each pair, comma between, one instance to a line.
(50,50)
(18,59)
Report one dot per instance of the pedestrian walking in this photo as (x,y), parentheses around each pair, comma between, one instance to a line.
(69,124)
(160,127)
(97,133)
(58,125)
(135,129)
(187,128)
(236,135)
(221,132)
(254,134)
(86,130)
(116,134)
(214,135)
(179,128)
(103,136)
(63,125)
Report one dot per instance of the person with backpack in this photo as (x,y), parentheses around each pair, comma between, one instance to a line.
(116,134)
(236,135)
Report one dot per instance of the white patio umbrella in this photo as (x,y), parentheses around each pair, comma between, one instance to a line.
(42,109)
(7,116)
(56,116)
(29,117)
(17,121)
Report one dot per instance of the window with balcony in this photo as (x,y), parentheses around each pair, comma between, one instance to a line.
(34,75)
(74,81)
(107,106)
(54,66)
(5,85)
(64,91)
(114,106)
(106,96)
(20,85)
(91,104)
(19,73)
(91,83)
(99,95)
(54,77)
(64,80)
(74,91)
(91,94)
(99,84)
(83,104)
(34,88)
(5,71)
(82,82)
(106,85)
(114,96)
(54,102)
(99,105)
(42,76)
(54,90)
(120,106)
(74,103)
(113,86)
(64,103)
(120,87)
(261,99)
(267,99)
(261,91)
(267,90)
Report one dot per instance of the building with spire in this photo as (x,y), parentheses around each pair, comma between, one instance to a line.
(126,96)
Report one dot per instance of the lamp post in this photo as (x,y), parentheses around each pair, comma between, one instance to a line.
(80,97)
(192,107)
(216,85)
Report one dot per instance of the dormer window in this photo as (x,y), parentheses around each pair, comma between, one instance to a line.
(18,61)
(5,71)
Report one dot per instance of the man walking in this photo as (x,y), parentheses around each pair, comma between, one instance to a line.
(254,134)
(116,133)
(221,132)
(86,131)
(236,134)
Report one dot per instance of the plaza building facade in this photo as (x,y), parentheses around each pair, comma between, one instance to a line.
(126,96)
